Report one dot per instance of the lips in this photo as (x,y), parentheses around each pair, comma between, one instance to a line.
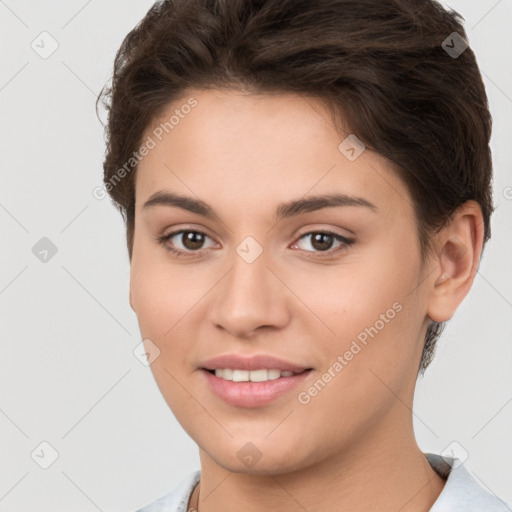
(253,394)
(244,390)
(250,363)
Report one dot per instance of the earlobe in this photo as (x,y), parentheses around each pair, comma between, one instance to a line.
(458,256)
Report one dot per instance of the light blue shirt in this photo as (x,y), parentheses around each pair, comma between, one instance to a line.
(461,492)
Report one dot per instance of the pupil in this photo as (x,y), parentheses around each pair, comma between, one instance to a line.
(319,241)
(192,240)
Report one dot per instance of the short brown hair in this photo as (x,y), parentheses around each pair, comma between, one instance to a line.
(382,64)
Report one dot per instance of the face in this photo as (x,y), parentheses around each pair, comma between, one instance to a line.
(334,288)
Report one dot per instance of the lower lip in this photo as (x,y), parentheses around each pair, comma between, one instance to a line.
(252,394)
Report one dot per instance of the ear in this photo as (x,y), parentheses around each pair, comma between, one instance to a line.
(458,250)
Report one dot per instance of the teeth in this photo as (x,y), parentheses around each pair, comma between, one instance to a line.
(252,376)
(240,375)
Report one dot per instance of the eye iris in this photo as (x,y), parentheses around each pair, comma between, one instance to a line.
(319,241)
(192,240)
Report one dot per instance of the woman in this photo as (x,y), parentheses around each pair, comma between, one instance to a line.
(307,193)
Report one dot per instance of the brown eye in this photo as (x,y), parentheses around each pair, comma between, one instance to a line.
(192,240)
(185,242)
(323,241)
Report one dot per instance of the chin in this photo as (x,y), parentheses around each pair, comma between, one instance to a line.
(258,458)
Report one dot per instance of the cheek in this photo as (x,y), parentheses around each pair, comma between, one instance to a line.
(374,318)
(162,300)
(367,365)
(162,294)
(350,298)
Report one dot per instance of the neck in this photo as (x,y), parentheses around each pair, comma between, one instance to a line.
(380,471)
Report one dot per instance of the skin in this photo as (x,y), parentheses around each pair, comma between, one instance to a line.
(352,447)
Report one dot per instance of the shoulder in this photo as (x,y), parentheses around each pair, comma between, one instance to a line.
(461,490)
(177,499)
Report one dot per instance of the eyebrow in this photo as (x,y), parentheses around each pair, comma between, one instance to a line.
(283,210)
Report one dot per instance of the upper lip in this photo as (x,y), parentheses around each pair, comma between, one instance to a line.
(256,362)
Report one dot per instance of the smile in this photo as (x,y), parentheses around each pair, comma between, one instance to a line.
(241,388)
(252,376)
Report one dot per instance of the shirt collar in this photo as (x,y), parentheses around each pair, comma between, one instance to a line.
(461,491)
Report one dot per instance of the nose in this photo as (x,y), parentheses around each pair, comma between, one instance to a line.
(250,297)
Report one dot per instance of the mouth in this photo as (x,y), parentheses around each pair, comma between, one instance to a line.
(260,375)
(254,388)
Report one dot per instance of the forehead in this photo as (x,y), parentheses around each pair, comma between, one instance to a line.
(230,146)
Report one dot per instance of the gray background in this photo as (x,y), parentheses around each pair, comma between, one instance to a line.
(67,369)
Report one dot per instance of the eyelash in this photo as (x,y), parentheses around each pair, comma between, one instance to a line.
(162,240)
